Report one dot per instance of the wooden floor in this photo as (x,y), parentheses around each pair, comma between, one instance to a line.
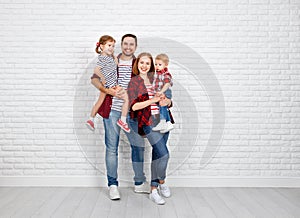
(184,203)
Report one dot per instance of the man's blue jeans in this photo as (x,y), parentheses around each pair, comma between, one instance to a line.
(112,135)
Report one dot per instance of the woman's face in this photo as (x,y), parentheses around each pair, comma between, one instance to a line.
(144,65)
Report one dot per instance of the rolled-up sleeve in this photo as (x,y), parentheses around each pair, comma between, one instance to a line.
(168,78)
(132,93)
(95,76)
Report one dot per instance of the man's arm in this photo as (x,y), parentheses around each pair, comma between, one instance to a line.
(95,80)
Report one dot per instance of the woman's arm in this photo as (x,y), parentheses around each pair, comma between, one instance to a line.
(138,96)
(141,105)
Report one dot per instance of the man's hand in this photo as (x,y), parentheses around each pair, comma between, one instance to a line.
(119,92)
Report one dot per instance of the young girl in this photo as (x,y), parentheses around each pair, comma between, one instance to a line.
(107,71)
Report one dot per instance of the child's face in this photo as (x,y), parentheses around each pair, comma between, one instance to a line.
(108,48)
(159,65)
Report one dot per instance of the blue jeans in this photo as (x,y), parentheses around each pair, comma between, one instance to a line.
(160,153)
(164,113)
(163,110)
(112,135)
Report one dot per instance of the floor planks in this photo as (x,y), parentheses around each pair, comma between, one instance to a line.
(39,202)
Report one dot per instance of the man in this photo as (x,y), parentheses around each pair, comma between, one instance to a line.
(111,112)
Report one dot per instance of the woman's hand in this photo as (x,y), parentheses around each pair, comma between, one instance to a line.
(156,98)
(164,101)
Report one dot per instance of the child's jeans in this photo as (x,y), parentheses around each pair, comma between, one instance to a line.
(163,110)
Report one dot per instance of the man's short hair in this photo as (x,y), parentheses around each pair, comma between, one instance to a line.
(129,35)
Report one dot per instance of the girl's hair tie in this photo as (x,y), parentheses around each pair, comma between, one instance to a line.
(97,44)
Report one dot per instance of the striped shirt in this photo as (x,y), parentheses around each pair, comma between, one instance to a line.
(154,107)
(109,70)
(125,69)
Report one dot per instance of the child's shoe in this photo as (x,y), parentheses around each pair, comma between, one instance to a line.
(160,126)
(123,125)
(90,124)
(169,127)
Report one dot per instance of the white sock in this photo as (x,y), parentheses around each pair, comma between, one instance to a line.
(92,119)
(123,119)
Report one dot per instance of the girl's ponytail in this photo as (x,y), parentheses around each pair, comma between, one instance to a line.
(97,47)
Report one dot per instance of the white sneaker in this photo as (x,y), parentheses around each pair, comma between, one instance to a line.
(164,190)
(169,127)
(156,198)
(143,188)
(160,126)
(114,193)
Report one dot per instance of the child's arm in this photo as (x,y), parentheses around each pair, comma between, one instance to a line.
(95,80)
(97,71)
(164,88)
(116,59)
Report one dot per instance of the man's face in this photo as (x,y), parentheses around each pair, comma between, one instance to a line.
(128,46)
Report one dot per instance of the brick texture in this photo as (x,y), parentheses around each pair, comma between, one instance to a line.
(252,47)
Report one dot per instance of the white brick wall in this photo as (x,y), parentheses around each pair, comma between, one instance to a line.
(252,48)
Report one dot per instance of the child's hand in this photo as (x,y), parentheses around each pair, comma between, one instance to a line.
(116,60)
(159,93)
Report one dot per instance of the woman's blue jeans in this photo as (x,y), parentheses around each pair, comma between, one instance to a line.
(160,153)
(112,135)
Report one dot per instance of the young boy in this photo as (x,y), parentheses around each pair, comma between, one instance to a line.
(162,83)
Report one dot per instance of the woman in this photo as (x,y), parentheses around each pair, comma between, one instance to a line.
(144,114)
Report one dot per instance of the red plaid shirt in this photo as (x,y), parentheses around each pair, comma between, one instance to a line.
(137,92)
(161,78)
